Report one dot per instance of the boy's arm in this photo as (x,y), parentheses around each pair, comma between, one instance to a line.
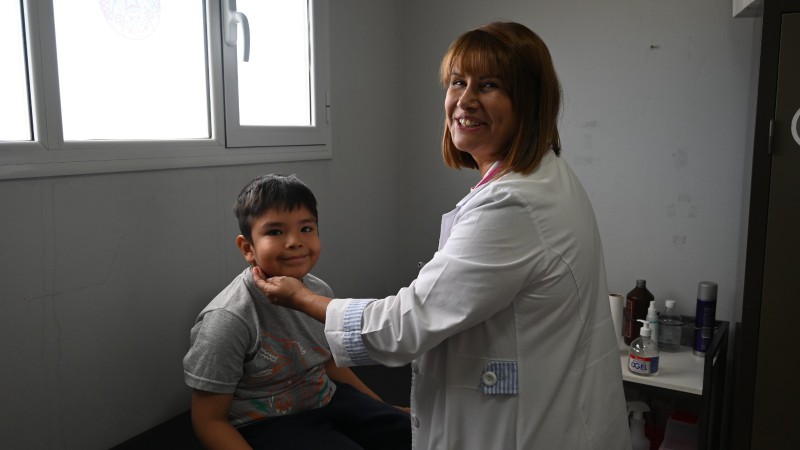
(345,375)
(210,421)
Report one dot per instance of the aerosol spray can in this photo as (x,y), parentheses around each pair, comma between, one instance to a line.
(704,318)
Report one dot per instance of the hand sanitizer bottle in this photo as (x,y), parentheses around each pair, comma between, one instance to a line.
(643,356)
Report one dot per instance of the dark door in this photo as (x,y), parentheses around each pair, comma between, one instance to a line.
(766,389)
(777,389)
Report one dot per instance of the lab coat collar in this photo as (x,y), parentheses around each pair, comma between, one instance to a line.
(449,219)
(485,181)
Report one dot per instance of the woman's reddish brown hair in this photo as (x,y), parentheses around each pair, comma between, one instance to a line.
(519,57)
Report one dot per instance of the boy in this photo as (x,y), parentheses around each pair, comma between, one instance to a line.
(261,374)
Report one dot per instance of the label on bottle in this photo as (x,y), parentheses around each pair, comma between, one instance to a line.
(642,365)
(704,325)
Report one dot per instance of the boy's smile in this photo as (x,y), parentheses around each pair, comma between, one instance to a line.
(284,243)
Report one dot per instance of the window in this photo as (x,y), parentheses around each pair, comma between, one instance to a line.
(15,108)
(119,85)
(278,33)
(133,71)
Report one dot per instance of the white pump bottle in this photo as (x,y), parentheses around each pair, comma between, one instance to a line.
(652,320)
(638,439)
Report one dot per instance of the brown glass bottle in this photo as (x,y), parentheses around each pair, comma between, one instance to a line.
(636,303)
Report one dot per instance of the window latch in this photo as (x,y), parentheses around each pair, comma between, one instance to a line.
(231,17)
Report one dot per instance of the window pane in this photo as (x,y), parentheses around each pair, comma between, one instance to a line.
(15,124)
(132,69)
(275,85)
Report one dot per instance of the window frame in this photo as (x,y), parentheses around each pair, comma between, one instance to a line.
(250,136)
(50,155)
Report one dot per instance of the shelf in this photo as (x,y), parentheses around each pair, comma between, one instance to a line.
(682,371)
(679,371)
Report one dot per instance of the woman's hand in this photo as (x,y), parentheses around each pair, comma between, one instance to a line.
(283,291)
(291,293)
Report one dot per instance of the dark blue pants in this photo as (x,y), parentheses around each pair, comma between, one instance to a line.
(351,421)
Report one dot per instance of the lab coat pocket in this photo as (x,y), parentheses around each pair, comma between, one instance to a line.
(500,378)
(492,377)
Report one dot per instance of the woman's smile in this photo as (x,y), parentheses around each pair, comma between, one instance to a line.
(468,123)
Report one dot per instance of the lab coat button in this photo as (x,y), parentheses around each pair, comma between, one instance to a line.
(414,421)
(489,378)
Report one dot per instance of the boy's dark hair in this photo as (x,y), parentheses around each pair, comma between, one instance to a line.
(271,191)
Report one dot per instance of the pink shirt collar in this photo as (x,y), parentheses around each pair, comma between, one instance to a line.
(496,167)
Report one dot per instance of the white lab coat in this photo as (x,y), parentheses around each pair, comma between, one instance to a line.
(508,327)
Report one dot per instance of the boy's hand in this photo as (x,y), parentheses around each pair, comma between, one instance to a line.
(291,293)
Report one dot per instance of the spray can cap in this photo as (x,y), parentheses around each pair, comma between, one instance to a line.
(707,290)
(652,307)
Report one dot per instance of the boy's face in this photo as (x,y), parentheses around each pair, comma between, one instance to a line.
(285,243)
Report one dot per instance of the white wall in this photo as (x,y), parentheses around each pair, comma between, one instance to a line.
(656,124)
(102,275)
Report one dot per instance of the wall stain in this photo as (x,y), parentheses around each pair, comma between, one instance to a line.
(51,291)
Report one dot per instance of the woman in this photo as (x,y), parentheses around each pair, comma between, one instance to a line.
(508,326)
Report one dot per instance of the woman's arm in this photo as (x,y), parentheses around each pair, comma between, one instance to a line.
(493,251)
(210,422)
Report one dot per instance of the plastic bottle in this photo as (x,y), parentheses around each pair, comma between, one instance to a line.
(636,303)
(643,356)
(639,440)
(652,320)
(670,325)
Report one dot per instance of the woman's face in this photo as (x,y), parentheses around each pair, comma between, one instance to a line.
(479,115)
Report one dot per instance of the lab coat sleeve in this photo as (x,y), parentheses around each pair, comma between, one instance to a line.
(343,331)
(490,256)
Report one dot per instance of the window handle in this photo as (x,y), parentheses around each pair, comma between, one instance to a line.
(230,18)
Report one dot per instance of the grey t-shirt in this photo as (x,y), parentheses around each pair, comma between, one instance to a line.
(269,357)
